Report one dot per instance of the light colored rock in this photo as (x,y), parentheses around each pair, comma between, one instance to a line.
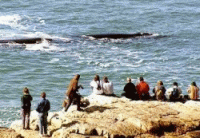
(120,117)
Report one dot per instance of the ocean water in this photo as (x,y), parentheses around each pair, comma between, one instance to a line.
(172,54)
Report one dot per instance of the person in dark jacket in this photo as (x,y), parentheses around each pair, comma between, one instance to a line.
(26,108)
(72,93)
(130,90)
(42,108)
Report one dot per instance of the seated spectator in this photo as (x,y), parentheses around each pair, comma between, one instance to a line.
(159,91)
(130,90)
(97,86)
(193,91)
(175,93)
(143,89)
(107,87)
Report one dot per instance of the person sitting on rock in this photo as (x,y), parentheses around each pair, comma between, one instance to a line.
(143,90)
(107,87)
(175,92)
(97,85)
(193,91)
(26,108)
(159,91)
(130,90)
(72,93)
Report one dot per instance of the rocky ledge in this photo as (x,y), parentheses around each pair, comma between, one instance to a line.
(112,117)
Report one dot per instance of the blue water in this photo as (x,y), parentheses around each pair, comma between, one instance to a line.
(172,55)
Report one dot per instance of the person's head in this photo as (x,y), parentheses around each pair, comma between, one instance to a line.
(96,78)
(175,84)
(76,77)
(43,95)
(141,78)
(193,84)
(26,90)
(105,79)
(159,83)
(128,79)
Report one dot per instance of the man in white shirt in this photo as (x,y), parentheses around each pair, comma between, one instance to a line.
(96,85)
(107,87)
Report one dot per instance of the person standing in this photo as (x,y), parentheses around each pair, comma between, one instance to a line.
(72,92)
(143,89)
(26,108)
(42,108)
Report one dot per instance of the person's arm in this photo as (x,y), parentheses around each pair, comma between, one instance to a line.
(112,87)
(153,90)
(22,101)
(164,90)
(48,105)
(125,87)
(38,107)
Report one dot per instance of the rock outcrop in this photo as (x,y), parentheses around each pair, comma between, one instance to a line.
(112,117)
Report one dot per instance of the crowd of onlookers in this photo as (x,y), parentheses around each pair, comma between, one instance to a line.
(138,91)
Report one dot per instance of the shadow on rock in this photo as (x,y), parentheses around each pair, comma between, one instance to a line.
(97,108)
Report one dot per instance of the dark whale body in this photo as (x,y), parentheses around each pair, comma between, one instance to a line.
(25,40)
(117,36)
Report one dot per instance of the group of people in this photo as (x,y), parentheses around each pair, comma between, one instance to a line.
(140,91)
(42,108)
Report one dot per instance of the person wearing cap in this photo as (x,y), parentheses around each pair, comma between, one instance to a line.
(107,87)
(26,108)
(130,90)
(42,108)
(143,89)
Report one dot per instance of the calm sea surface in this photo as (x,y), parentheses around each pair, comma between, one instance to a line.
(172,55)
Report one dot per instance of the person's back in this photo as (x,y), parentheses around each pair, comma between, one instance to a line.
(26,101)
(42,108)
(108,88)
(143,89)
(26,108)
(159,91)
(130,90)
(193,91)
(176,92)
(43,105)
(97,85)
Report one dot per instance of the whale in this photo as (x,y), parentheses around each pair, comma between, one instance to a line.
(118,36)
(25,40)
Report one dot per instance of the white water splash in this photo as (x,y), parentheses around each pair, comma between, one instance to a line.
(12,20)
(43,46)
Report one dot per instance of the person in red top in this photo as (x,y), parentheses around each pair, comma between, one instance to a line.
(143,89)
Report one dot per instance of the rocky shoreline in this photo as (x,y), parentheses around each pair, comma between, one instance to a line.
(112,117)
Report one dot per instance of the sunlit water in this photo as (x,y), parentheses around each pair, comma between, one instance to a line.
(171,55)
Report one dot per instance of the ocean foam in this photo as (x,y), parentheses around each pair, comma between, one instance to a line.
(44,46)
